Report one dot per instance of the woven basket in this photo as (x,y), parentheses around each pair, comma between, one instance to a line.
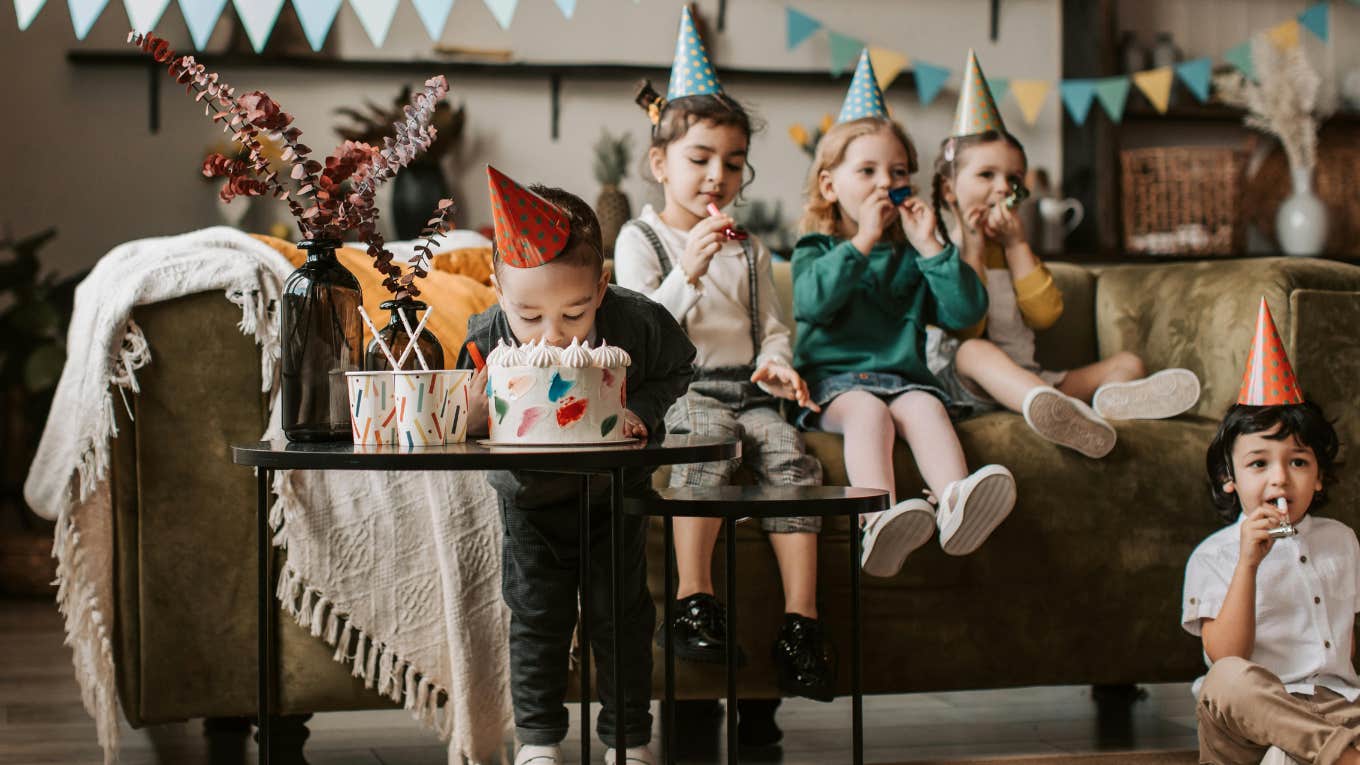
(1183,200)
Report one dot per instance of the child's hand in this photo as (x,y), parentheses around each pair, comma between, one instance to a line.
(918,221)
(703,242)
(477,403)
(1256,541)
(784,381)
(633,427)
(875,213)
(1003,225)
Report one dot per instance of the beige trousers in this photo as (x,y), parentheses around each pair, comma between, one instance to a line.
(1244,709)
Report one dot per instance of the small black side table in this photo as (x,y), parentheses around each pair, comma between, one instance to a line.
(731,503)
(268,456)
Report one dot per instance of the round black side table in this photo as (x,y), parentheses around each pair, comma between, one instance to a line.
(730,503)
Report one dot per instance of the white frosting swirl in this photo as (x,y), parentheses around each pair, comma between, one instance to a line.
(542,355)
(577,356)
(497,356)
(611,357)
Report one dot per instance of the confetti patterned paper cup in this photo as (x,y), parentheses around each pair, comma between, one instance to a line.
(372,418)
(431,407)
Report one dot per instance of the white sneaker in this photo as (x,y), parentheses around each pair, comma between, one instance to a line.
(894,534)
(537,754)
(1068,422)
(1155,397)
(635,755)
(973,507)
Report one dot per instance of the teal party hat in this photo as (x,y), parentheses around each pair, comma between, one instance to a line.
(692,73)
(864,99)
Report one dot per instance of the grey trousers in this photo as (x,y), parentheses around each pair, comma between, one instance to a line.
(539,580)
(1244,710)
(771,447)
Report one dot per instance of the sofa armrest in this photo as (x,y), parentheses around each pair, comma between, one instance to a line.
(1202,316)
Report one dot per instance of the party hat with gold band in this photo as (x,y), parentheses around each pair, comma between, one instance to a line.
(692,72)
(976,112)
(530,230)
(864,98)
(1269,379)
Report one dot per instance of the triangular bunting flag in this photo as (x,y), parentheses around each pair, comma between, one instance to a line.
(1269,379)
(530,230)
(887,65)
(434,14)
(929,80)
(1240,57)
(503,10)
(316,17)
(258,18)
(1030,95)
(1077,96)
(1315,19)
(799,27)
(84,13)
(201,16)
(844,52)
(375,16)
(1156,85)
(568,7)
(999,86)
(27,10)
(691,71)
(1113,93)
(144,15)
(1285,35)
(1196,75)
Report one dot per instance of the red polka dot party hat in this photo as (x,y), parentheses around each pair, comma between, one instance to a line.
(530,230)
(1269,380)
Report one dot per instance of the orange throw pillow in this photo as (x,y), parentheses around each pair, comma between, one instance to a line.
(454,296)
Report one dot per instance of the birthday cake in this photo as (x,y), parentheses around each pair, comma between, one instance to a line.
(540,394)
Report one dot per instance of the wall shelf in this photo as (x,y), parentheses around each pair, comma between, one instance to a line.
(553,72)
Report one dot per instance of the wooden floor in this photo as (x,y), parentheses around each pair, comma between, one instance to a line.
(42,721)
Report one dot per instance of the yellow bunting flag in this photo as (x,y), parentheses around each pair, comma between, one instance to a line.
(887,65)
(1156,85)
(1285,35)
(1030,95)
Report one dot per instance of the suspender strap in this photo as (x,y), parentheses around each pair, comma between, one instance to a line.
(752,281)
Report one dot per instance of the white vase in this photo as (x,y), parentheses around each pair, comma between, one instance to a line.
(1301,223)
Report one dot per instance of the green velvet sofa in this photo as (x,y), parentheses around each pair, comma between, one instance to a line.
(1080,586)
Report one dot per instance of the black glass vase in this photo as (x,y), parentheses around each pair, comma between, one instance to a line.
(322,338)
(394,334)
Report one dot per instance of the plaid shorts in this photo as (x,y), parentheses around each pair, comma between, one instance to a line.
(771,447)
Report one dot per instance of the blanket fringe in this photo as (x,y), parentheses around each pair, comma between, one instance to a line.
(378,665)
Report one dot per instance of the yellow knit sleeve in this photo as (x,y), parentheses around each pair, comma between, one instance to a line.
(1038,298)
(977,330)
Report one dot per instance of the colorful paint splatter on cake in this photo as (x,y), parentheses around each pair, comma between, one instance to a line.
(571,411)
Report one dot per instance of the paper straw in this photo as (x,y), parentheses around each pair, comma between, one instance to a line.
(419,328)
(476,355)
(386,351)
(413,344)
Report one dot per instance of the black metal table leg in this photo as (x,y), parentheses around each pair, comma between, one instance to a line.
(668,609)
(616,595)
(730,531)
(584,625)
(265,623)
(856,667)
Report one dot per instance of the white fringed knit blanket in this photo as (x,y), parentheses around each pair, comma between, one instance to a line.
(399,572)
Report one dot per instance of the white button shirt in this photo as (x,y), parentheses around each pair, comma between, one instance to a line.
(717,315)
(1307,595)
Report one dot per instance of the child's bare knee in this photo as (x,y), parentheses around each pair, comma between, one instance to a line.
(918,403)
(1130,365)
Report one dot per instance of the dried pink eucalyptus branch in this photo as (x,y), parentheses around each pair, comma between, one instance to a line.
(340,190)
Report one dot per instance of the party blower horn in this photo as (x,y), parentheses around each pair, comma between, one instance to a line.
(1285,529)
